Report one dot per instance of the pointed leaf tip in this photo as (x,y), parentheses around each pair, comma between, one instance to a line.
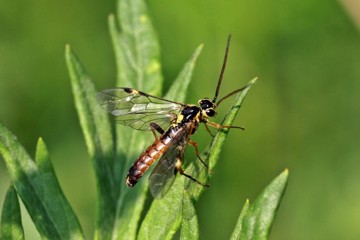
(67,48)
(11,225)
(258,218)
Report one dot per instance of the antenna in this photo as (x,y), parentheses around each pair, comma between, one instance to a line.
(222,69)
(232,93)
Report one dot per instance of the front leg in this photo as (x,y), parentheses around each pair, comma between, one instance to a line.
(218,126)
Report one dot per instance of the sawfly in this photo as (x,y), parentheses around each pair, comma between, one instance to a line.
(174,121)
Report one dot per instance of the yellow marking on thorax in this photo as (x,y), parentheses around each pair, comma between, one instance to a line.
(179,118)
(198,118)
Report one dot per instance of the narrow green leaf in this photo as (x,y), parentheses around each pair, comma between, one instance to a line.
(239,225)
(121,64)
(219,139)
(257,220)
(97,132)
(178,89)
(138,54)
(137,59)
(94,121)
(176,92)
(42,158)
(39,189)
(11,226)
(164,216)
(212,152)
(129,208)
(189,226)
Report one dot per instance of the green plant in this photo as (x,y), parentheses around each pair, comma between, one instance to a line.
(119,210)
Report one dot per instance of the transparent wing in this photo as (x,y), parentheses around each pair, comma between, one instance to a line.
(137,109)
(163,175)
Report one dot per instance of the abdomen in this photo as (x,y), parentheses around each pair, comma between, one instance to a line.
(149,156)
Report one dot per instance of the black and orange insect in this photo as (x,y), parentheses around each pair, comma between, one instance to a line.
(143,111)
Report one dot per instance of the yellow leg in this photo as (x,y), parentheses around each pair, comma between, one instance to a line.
(195,145)
(218,126)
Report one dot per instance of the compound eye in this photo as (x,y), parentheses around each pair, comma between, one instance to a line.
(210,112)
(205,103)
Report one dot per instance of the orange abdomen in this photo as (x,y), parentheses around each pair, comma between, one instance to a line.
(148,157)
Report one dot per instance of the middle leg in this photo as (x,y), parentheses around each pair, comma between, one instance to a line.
(195,145)
(154,127)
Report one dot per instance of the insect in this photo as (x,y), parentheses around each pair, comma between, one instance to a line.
(143,111)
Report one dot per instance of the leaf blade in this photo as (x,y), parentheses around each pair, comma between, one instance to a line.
(39,190)
(178,89)
(11,225)
(189,225)
(137,56)
(256,223)
(176,92)
(239,224)
(164,216)
(139,46)
(99,141)
(212,153)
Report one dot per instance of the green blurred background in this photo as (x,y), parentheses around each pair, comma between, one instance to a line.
(303,114)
